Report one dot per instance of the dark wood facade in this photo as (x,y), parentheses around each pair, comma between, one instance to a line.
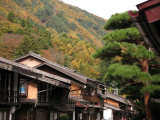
(83,90)
(44,90)
(30,94)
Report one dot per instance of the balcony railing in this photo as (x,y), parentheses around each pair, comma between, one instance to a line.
(76,94)
(9,97)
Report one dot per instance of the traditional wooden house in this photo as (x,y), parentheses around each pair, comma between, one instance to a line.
(83,90)
(119,106)
(94,109)
(9,94)
(30,94)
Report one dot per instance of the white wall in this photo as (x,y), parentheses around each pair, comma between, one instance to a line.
(107,114)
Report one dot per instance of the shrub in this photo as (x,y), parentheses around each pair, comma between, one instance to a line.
(63,118)
(19,31)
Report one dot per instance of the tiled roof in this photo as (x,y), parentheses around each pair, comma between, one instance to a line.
(117,98)
(32,72)
(69,73)
(108,106)
(73,73)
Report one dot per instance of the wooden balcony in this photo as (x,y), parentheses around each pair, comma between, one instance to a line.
(76,94)
(8,97)
(84,96)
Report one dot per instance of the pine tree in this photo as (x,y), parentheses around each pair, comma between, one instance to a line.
(133,67)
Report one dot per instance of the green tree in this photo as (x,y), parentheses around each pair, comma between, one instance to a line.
(29,44)
(44,13)
(11,16)
(57,23)
(131,62)
(72,26)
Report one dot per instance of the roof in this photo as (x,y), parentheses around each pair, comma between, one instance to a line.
(38,56)
(151,10)
(32,72)
(117,98)
(108,106)
(150,37)
(101,95)
(69,73)
(72,73)
(147,4)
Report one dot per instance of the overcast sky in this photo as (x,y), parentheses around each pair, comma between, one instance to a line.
(105,8)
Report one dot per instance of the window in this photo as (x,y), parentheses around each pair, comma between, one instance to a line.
(23,87)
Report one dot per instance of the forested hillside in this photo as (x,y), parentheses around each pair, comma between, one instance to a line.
(58,31)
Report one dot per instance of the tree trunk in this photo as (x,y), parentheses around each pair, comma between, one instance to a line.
(147,104)
(147,101)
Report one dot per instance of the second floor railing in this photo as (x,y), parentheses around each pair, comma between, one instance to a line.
(9,96)
(76,94)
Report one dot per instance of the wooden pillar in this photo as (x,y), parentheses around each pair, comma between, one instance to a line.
(15,88)
(74,115)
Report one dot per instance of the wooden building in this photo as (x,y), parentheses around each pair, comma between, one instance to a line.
(34,88)
(30,94)
(120,106)
(83,90)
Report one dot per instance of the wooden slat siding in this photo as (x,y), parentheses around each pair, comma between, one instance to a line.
(153,14)
(90,98)
(151,9)
(75,91)
(146,4)
(10,65)
(112,102)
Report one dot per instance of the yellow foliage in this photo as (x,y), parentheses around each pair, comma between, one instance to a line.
(72,35)
(3,11)
(6,26)
(69,49)
(95,74)
(118,58)
(74,63)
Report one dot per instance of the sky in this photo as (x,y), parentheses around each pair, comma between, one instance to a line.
(105,8)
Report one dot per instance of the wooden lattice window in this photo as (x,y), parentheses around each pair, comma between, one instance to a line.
(23,87)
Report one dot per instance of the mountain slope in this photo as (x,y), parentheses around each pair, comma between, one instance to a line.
(58,31)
